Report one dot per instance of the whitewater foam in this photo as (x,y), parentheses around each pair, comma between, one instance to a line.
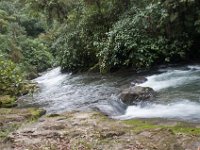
(65,92)
(51,78)
(196,67)
(172,78)
(182,110)
(165,81)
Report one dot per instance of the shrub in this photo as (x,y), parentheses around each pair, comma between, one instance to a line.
(137,40)
(10,77)
(36,54)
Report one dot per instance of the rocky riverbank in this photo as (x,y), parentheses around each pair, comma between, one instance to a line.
(11,119)
(92,130)
(20,129)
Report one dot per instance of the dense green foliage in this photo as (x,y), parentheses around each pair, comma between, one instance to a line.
(110,34)
(139,40)
(101,35)
(10,77)
(23,53)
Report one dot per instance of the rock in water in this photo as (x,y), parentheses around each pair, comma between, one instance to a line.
(135,94)
(139,80)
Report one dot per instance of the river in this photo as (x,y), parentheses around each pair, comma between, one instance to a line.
(178,93)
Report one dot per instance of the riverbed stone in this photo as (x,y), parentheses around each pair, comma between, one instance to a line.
(136,94)
(93,130)
(12,118)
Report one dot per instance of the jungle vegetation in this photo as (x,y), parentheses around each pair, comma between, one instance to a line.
(100,35)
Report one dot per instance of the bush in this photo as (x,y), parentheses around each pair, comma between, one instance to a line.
(36,54)
(10,77)
(137,40)
(85,30)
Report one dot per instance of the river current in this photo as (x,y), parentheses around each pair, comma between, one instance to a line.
(178,93)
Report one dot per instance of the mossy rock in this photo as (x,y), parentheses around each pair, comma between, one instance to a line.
(32,75)
(177,127)
(93,130)
(7,101)
(13,118)
(29,87)
(36,113)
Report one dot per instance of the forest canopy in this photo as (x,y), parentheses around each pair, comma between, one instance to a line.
(111,34)
(100,35)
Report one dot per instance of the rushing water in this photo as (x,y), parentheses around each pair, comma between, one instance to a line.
(178,94)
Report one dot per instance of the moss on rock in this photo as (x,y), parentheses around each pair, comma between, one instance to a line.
(93,130)
(12,118)
(176,127)
(28,87)
(7,101)
(36,113)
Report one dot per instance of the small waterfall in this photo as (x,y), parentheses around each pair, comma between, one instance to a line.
(66,92)
(178,95)
(51,80)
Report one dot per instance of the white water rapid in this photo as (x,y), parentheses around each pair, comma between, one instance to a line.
(178,94)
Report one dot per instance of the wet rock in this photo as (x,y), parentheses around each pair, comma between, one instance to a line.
(138,80)
(32,75)
(28,87)
(53,115)
(135,94)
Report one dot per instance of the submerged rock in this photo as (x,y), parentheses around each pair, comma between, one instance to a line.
(135,94)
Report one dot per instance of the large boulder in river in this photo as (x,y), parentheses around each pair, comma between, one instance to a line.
(135,94)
